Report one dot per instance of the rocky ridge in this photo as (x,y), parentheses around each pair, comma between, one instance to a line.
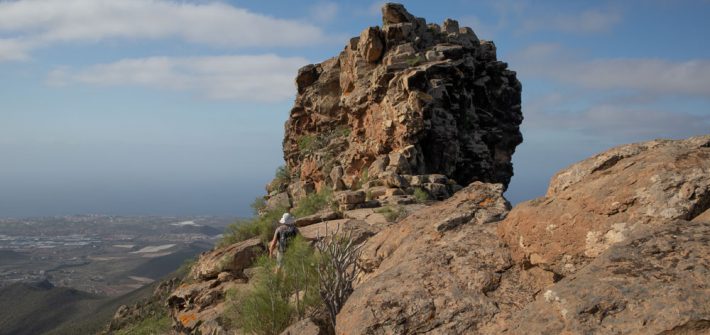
(618,245)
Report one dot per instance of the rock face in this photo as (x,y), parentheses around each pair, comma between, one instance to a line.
(441,270)
(599,201)
(405,99)
(655,282)
(458,266)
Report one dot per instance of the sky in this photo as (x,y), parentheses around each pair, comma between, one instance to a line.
(169,107)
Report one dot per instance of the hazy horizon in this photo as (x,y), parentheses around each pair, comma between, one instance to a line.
(169,107)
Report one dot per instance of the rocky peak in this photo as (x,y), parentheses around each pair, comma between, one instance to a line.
(403,102)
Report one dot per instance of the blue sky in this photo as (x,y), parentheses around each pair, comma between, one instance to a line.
(177,107)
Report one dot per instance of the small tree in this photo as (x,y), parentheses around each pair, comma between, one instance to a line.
(337,269)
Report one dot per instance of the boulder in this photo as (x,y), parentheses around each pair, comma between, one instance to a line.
(233,258)
(318,217)
(278,201)
(361,230)
(303,327)
(599,201)
(440,270)
(370,44)
(654,282)
(351,197)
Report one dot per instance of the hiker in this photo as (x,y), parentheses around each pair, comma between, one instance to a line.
(285,232)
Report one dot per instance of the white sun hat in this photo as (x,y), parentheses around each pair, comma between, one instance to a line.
(287,219)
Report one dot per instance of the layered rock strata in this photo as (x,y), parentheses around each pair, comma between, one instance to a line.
(404,106)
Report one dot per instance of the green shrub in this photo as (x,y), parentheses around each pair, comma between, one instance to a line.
(283,174)
(391,213)
(421,195)
(156,324)
(258,205)
(415,60)
(276,299)
(261,226)
(300,267)
(265,308)
(314,202)
(186,266)
(281,177)
(307,143)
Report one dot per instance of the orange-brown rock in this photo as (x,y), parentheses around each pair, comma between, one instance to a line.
(407,98)
(599,201)
(441,270)
(233,258)
(655,282)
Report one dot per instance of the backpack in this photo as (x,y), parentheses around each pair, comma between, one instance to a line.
(286,235)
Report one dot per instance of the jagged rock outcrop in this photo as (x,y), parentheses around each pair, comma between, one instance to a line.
(657,281)
(406,105)
(233,258)
(599,201)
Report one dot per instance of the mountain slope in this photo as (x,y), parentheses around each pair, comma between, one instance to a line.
(40,307)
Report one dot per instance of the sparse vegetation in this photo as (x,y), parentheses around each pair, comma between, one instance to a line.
(261,226)
(337,270)
(415,60)
(314,202)
(309,143)
(186,266)
(421,195)
(281,177)
(277,298)
(392,213)
(153,325)
(258,205)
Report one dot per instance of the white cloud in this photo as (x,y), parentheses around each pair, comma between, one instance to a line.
(324,11)
(12,50)
(641,75)
(588,21)
(616,122)
(37,23)
(254,78)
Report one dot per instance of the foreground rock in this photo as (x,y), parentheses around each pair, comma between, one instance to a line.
(233,259)
(599,201)
(407,105)
(441,270)
(197,306)
(656,282)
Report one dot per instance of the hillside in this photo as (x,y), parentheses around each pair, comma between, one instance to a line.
(40,307)
(404,141)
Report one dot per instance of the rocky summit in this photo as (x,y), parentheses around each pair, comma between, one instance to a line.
(402,102)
